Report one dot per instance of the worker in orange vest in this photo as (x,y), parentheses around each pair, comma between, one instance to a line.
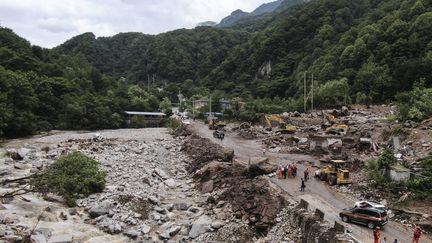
(377,235)
(279,171)
(417,234)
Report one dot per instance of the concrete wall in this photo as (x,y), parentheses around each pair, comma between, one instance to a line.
(314,228)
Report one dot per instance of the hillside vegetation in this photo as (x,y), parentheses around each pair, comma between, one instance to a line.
(363,51)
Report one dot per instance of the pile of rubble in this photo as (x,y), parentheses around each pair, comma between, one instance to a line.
(248,131)
(296,223)
(234,193)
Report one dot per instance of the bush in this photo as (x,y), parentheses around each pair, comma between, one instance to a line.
(375,173)
(378,168)
(415,105)
(173,124)
(72,176)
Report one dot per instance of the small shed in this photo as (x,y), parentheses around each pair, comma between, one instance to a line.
(399,173)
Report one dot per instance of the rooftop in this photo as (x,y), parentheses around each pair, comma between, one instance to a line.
(144,113)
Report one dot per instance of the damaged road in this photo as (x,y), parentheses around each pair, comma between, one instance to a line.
(318,194)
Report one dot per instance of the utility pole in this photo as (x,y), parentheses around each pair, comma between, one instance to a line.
(312,104)
(148,82)
(193,108)
(304,92)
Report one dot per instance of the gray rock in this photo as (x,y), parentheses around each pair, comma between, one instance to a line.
(7,200)
(65,238)
(133,234)
(145,229)
(171,183)
(5,172)
(260,165)
(153,200)
(220,204)
(160,210)
(200,226)
(115,228)
(160,173)
(194,209)
(15,155)
(100,209)
(73,211)
(174,230)
(156,216)
(38,165)
(207,186)
(182,205)
(12,238)
(44,231)
(164,235)
(217,224)
(21,166)
(38,239)
(170,207)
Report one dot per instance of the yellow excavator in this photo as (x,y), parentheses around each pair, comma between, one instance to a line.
(335,173)
(278,121)
(335,128)
(216,124)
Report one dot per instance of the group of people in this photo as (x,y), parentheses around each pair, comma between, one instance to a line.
(377,235)
(290,170)
(285,171)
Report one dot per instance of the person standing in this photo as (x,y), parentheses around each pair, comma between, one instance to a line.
(384,240)
(395,241)
(303,185)
(279,171)
(377,235)
(284,171)
(305,175)
(417,234)
(264,151)
(289,170)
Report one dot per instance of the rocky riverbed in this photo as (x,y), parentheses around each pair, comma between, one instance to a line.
(149,194)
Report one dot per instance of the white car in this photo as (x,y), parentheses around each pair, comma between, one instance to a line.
(369,204)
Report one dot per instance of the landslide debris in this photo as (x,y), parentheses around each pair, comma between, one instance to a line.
(234,193)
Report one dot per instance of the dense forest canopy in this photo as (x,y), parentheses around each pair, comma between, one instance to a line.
(363,51)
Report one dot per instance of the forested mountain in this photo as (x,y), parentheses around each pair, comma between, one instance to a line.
(363,51)
(261,14)
(170,57)
(267,8)
(378,48)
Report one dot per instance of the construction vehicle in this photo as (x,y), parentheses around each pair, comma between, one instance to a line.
(273,121)
(288,129)
(278,121)
(215,124)
(337,129)
(220,134)
(335,173)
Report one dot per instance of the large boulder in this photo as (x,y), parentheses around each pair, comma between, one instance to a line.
(99,209)
(207,186)
(260,166)
(225,154)
(200,226)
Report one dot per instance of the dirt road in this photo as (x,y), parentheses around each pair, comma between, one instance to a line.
(317,194)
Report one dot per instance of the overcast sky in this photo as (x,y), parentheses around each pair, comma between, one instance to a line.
(51,22)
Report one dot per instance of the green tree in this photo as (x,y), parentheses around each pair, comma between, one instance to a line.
(72,176)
